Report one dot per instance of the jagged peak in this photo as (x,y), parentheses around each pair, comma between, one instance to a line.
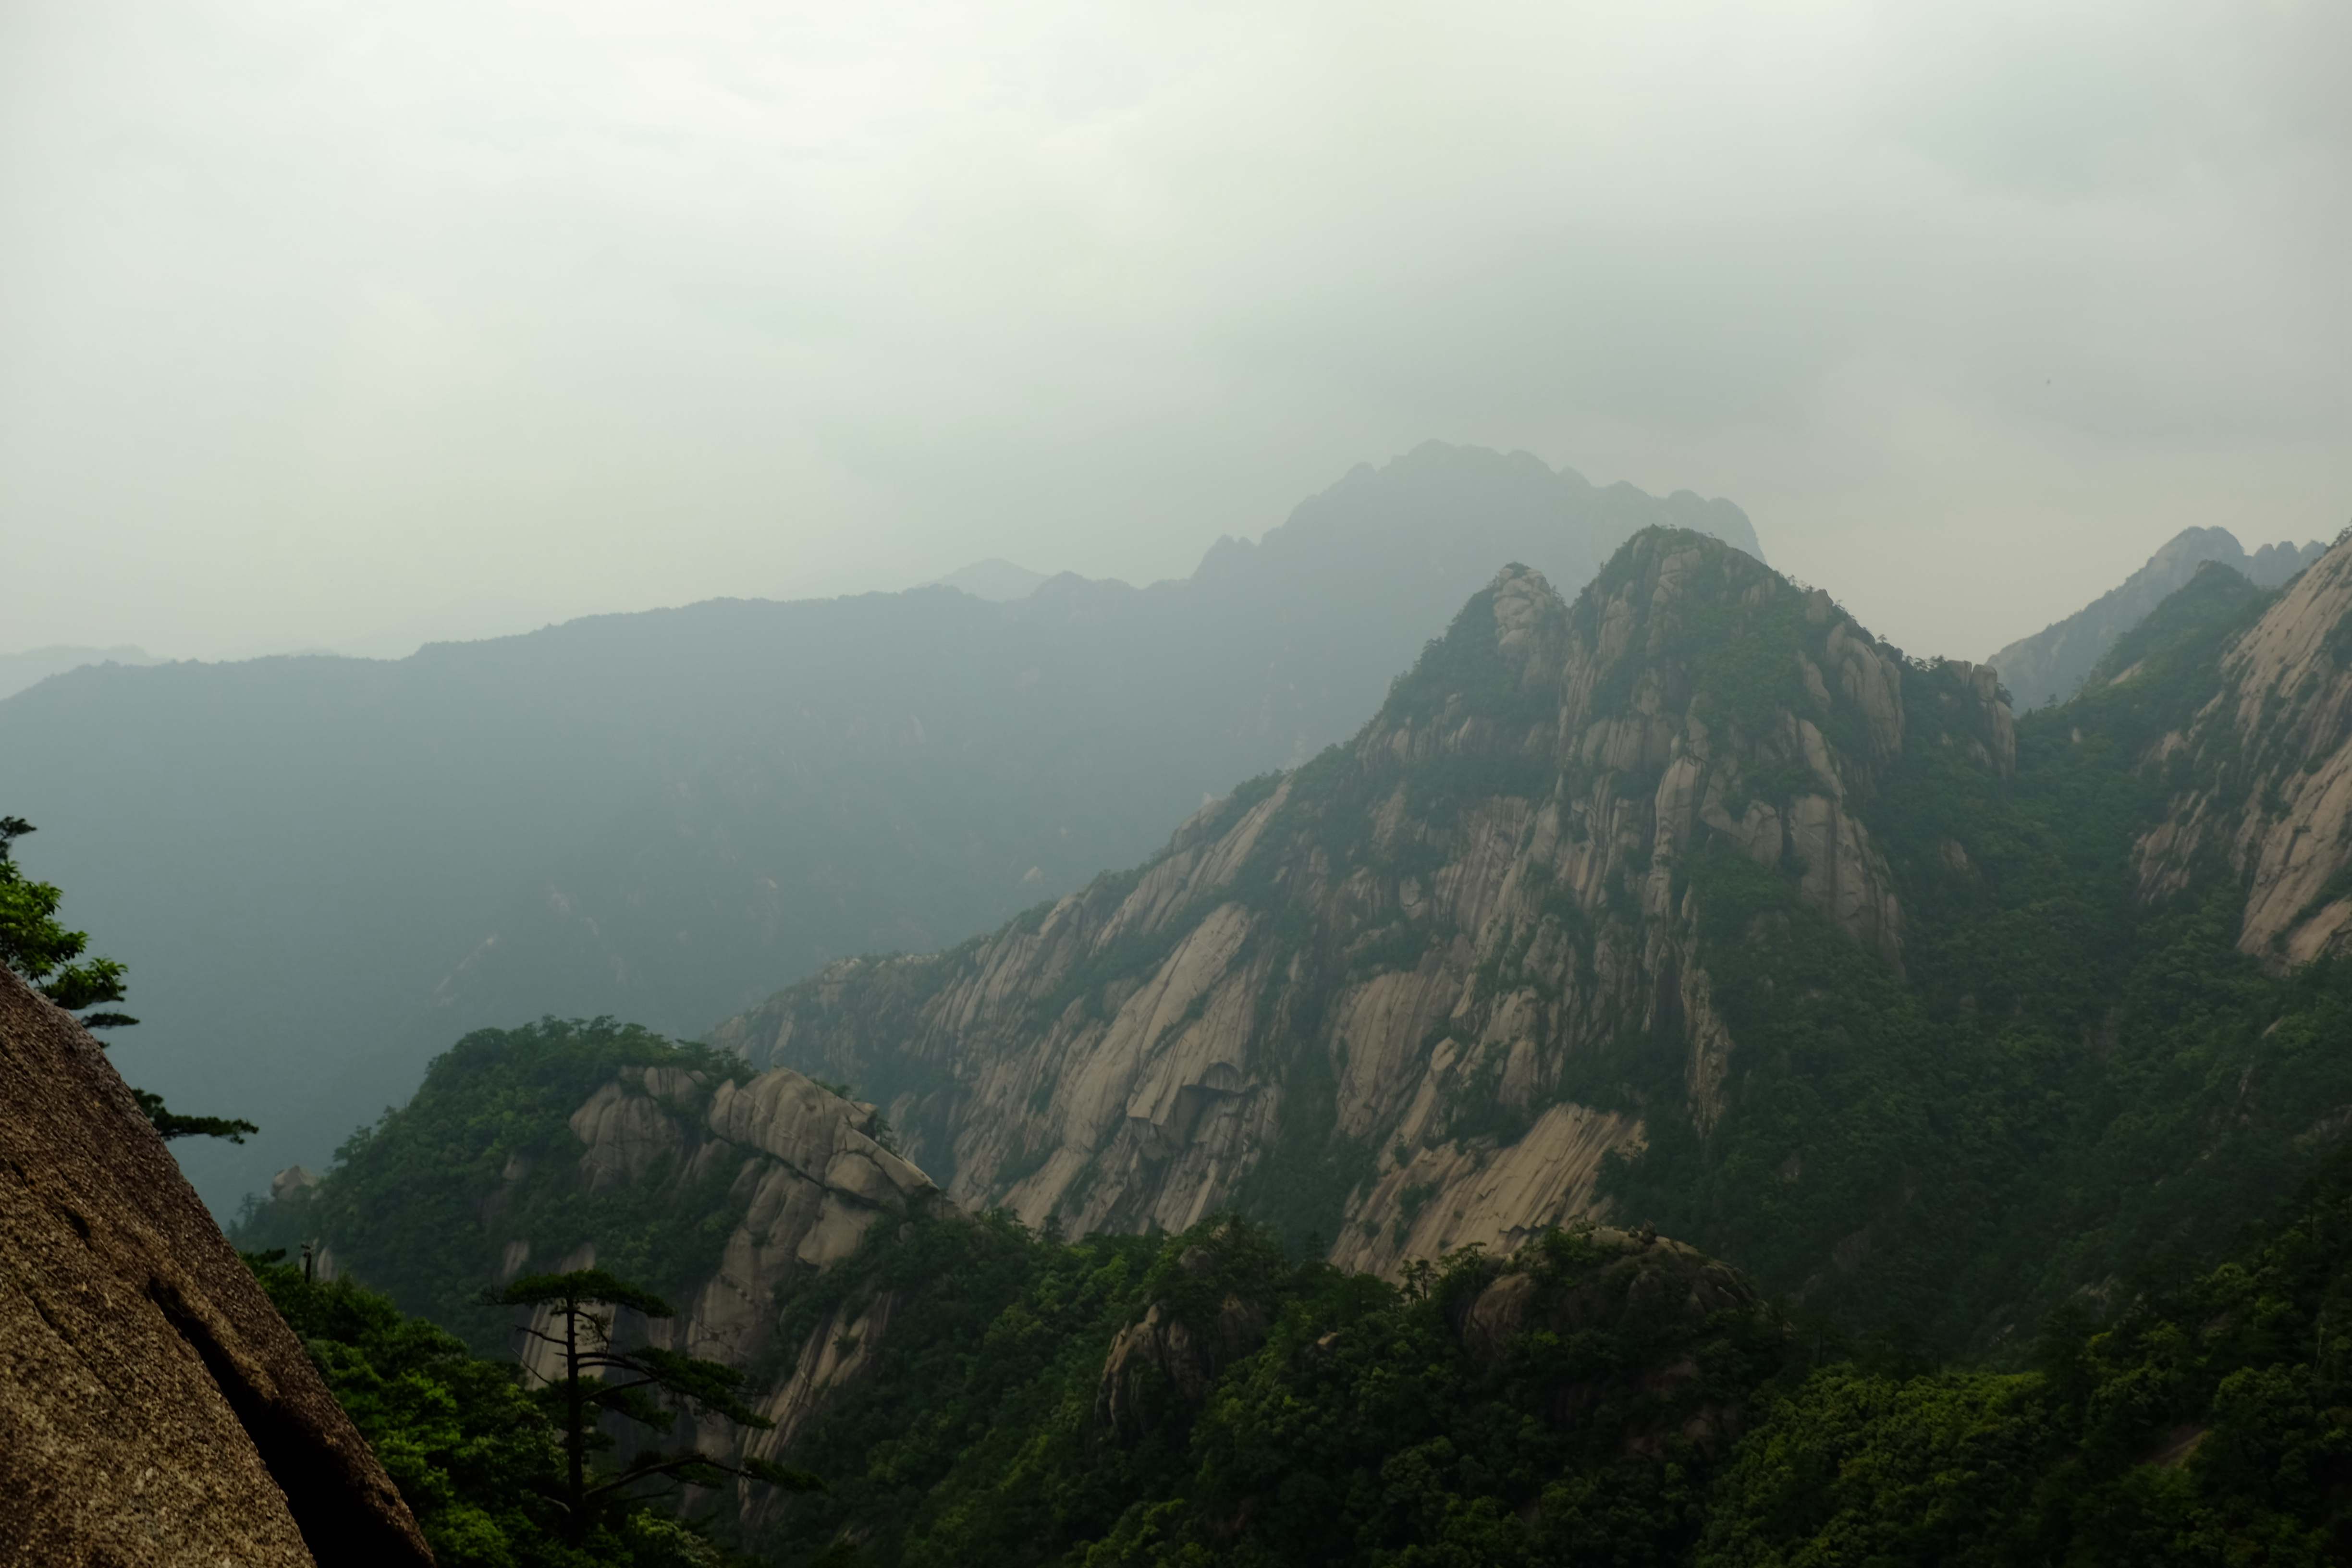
(1683,563)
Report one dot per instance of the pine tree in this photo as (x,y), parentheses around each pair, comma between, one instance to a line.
(35,946)
(600,1378)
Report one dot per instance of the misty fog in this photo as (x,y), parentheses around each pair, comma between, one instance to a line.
(350,327)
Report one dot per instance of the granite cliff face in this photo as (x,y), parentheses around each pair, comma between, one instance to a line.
(802,1173)
(2052,664)
(2266,770)
(662,816)
(1362,997)
(153,1406)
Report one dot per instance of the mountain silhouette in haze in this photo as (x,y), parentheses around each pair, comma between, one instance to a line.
(995,579)
(18,671)
(2051,665)
(324,870)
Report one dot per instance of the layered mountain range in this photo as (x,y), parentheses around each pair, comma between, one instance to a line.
(1671,988)
(320,870)
(1372,991)
(2051,665)
(1684,906)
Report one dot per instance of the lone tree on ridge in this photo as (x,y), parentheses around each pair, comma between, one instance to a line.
(37,948)
(599,1378)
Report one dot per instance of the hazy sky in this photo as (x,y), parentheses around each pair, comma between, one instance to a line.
(319,321)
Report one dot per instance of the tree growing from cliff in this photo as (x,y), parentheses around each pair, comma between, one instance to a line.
(598,1378)
(35,946)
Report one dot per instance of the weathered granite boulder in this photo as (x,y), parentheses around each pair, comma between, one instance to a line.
(153,1407)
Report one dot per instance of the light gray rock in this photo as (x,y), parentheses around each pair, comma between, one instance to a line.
(1410,943)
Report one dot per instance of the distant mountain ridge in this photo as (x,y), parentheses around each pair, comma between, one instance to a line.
(18,671)
(664,816)
(2051,665)
(1687,903)
(995,579)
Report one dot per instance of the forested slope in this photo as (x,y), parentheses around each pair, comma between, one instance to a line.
(1689,902)
(2004,1178)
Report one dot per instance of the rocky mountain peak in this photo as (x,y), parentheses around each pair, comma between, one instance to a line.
(1361,997)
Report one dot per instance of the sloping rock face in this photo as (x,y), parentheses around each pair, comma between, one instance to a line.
(2052,664)
(2269,765)
(153,1406)
(809,1178)
(1363,997)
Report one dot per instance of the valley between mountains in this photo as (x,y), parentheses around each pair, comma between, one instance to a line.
(1676,985)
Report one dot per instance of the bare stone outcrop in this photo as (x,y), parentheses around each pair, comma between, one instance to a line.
(1405,948)
(2271,757)
(806,1167)
(154,1409)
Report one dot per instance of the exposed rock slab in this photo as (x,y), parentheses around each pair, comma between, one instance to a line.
(153,1406)
(1396,956)
(807,1169)
(2270,758)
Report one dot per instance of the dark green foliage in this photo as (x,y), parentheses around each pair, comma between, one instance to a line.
(403,1203)
(605,1384)
(2062,1079)
(473,1453)
(35,946)
(1462,673)
(467,1447)
(2186,629)
(171,1125)
(1356,1424)
(2210,1423)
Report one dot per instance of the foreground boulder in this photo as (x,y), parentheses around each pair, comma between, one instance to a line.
(153,1407)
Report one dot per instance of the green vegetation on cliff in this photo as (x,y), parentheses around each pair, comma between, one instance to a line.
(403,1207)
(2063,1080)
(1600,1397)
(1203,1399)
(1593,1400)
(1988,1122)
(2209,1422)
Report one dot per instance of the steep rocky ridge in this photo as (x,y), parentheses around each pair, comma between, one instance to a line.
(2051,665)
(153,1407)
(798,1164)
(725,1192)
(2266,766)
(1397,995)
(663,816)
